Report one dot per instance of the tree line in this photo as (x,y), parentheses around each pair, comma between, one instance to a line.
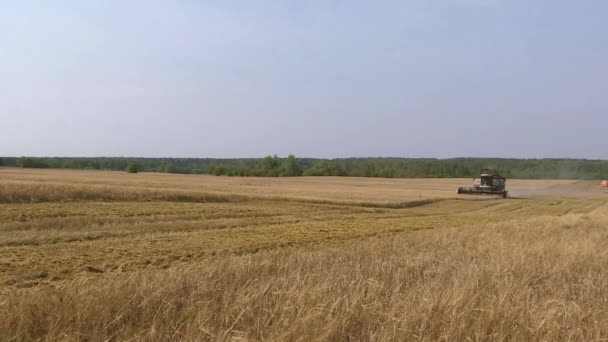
(274,166)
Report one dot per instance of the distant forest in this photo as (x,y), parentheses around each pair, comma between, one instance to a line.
(273,166)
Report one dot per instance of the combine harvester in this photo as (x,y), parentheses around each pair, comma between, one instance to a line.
(489,183)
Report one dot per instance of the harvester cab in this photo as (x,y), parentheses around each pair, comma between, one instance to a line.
(489,183)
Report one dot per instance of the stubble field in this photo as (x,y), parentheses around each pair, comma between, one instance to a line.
(90,255)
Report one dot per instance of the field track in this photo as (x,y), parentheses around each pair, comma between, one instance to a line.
(64,231)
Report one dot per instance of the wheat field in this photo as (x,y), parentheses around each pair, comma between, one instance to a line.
(97,256)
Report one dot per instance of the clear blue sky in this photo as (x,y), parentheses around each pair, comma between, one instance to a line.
(315,78)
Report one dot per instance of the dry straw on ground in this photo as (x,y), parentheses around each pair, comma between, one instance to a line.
(257,267)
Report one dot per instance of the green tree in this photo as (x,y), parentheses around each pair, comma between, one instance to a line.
(269,166)
(35,163)
(167,167)
(132,168)
(336,168)
(290,167)
(321,168)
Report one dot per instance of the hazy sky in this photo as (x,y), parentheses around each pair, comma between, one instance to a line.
(319,78)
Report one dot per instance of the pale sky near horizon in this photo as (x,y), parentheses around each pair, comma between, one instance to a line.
(453,78)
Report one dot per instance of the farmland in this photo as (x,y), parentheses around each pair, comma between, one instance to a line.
(108,255)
